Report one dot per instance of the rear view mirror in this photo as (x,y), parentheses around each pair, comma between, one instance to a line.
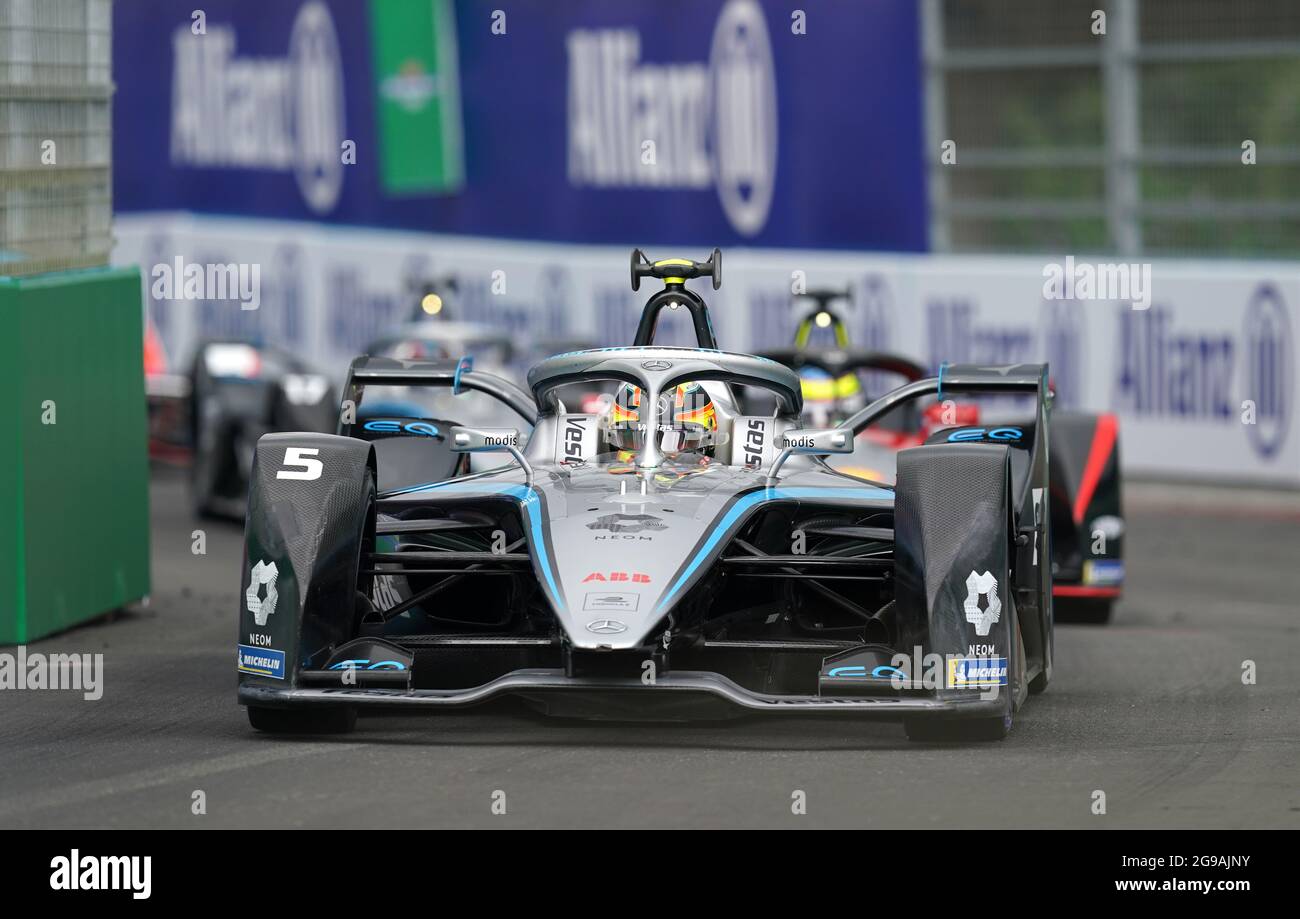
(810,442)
(490,440)
(818,442)
(484,440)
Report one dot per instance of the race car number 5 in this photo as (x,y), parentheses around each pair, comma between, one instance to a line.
(306,469)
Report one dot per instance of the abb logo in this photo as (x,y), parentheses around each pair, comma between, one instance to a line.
(621,576)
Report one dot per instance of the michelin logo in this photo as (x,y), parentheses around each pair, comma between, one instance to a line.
(977,671)
(634,124)
(261,662)
(982,616)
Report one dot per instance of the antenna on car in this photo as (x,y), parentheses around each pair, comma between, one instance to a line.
(675,272)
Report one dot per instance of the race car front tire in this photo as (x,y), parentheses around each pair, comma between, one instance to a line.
(333,719)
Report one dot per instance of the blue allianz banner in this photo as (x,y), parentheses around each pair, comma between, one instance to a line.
(698,122)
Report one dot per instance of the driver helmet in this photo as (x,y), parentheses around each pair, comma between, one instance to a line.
(693,428)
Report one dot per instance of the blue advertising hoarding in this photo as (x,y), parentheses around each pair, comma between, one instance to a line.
(709,122)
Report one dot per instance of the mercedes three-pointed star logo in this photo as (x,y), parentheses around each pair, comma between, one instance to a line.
(606,626)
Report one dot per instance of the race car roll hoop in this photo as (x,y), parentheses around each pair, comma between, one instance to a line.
(675,272)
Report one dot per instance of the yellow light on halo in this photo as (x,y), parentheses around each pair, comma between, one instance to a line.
(823,320)
(431,304)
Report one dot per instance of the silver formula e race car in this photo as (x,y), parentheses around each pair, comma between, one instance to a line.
(665,557)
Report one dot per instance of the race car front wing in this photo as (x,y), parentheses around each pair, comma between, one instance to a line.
(705,687)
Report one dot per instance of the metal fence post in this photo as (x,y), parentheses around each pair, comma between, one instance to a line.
(1120,76)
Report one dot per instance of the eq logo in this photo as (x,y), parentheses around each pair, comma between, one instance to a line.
(391,426)
(1269,368)
(859,672)
(998,434)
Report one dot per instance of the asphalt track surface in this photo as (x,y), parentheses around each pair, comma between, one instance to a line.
(1150,710)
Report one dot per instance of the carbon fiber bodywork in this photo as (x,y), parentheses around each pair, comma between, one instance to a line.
(306,535)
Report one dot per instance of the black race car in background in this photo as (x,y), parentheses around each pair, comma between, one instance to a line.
(240,391)
(1084,486)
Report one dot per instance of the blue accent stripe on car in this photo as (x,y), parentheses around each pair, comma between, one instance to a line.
(939,391)
(462,365)
(531,503)
(747,502)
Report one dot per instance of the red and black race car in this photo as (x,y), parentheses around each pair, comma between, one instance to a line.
(1087,522)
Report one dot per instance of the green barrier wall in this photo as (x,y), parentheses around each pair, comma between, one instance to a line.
(74,495)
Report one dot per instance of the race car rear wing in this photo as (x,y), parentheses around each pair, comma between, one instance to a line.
(1031,478)
(456,375)
(954,379)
